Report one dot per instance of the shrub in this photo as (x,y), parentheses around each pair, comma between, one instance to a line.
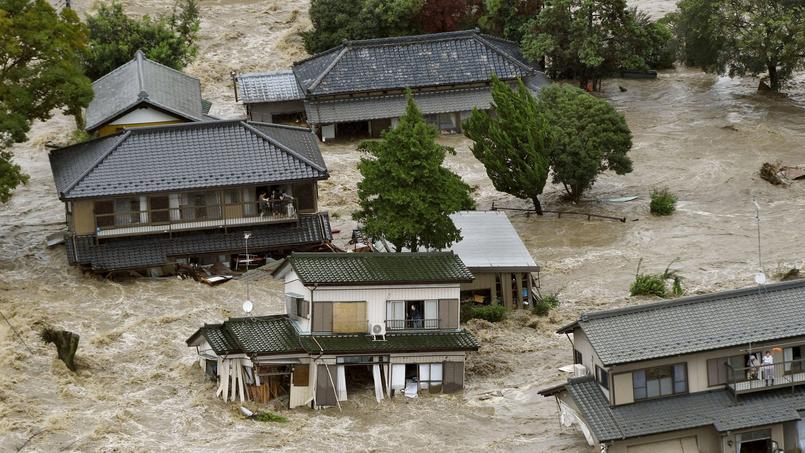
(771,173)
(648,285)
(663,202)
(545,304)
(491,313)
(269,417)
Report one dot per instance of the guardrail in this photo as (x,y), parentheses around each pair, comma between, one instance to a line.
(411,324)
(754,378)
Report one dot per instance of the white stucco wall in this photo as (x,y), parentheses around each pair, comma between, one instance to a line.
(144,115)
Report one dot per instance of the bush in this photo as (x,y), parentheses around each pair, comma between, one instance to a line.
(648,285)
(545,304)
(771,173)
(269,417)
(491,313)
(663,202)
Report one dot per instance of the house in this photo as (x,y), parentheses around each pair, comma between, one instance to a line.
(143,92)
(678,375)
(352,319)
(154,197)
(359,86)
(492,250)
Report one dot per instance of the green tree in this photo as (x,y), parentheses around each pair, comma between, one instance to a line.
(337,20)
(115,37)
(513,142)
(653,41)
(406,195)
(740,37)
(40,71)
(587,40)
(588,137)
(507,18)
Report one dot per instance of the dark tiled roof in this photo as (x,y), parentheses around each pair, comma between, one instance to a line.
(697,323)
(144,81)
(410,61)
(268,87)
(298,139)
(269,335)
(149,251)
(184,157)
(377,268)
(715,408)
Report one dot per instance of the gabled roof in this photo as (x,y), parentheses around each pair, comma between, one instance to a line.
(490,242)
(698,323)
(184,157)
(717,409)
(411,61)
(277,335)
(348,269)
(268,87)
(144,81)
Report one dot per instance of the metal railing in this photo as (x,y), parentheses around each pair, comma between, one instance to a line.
(228,214)
(780,374)
(411,324)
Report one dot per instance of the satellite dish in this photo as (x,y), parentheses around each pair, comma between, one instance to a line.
(760,278)
(248,306)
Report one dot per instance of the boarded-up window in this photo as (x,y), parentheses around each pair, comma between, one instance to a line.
(305,196)
(453,377)
(322,317)
(448,314)
(301,375)
(349,317)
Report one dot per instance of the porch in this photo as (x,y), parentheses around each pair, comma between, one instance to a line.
(764,377)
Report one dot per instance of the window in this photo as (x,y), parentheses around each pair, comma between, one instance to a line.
(602,376)
(660,381)
(577,357)
(413,314)
(297,306)
(718,369)
(430,376)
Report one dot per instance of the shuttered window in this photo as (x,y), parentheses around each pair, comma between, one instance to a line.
(301,375)
(718,371)
(448,314)
(322,317)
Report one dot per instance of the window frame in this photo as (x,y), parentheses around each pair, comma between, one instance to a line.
(578,357)
(602,377)
(673,382)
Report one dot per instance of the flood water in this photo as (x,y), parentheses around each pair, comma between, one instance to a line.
(139,388)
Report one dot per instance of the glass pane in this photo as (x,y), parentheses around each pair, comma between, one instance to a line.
(431,309)
(640,393)
(653,388)
(639,378)
(666,386)
(679,372)
(680,387)
(424,372)
(436,372)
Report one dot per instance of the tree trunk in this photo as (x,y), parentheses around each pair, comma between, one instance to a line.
(537,205)
(774,78)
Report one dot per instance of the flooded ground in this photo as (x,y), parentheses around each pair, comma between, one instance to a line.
(138,388)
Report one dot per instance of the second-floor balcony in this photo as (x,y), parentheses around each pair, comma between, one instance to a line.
(768,376)
(193,217)
(411,324)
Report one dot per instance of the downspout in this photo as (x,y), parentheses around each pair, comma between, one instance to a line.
(321,350)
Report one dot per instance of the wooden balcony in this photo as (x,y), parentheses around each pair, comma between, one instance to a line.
(189,218)
(765,377)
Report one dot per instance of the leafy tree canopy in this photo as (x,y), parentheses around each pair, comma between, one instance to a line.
(512,143)
(589,39)
(40,71)
(740,37)
(115,37)
(406,195)
(589,137)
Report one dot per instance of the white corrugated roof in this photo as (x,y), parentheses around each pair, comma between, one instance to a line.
(490,241)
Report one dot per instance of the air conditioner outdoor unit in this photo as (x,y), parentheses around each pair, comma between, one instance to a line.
(378,330)
(579,370)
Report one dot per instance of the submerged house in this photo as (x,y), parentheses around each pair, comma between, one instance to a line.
(390,321)
(359,86)
(722,372)
(141,93)
(154,197)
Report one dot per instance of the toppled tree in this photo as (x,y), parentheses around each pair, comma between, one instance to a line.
(406,195)
(66,344)
(589,137)
(115,37)
(513,142)
(663,202)
(656,284)
(40,71)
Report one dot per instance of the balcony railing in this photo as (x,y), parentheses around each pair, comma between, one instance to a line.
(189,217)
(411,324)
(752,379)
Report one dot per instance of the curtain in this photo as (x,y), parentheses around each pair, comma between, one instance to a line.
(378,382)
(341,383)
(431,313)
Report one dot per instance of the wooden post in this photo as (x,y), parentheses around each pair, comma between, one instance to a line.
(506,288)
(519,299)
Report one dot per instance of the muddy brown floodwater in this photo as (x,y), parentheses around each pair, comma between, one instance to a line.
(138,388)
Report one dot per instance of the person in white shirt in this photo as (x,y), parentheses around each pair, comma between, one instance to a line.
(768,368)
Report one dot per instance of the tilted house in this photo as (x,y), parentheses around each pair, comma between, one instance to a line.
(152,197)
(679,375)
(143,92)
(351,318)
(360,85)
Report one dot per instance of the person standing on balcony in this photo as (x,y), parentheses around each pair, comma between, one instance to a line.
(753,365)
(768,368)
(264,203)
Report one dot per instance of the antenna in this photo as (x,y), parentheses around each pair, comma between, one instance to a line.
(760,277)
